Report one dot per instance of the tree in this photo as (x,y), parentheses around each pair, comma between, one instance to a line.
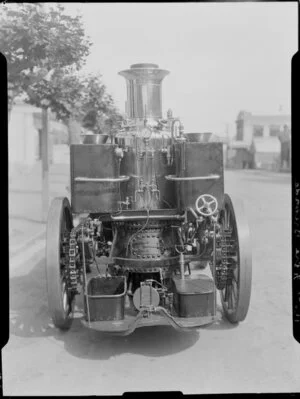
(77,100)
(36,41)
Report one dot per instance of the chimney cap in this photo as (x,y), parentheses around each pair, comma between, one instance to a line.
(143,65)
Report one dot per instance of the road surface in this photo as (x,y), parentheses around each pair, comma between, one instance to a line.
(258,355)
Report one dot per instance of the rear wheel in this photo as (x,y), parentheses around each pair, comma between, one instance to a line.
(235,296)
(59,226)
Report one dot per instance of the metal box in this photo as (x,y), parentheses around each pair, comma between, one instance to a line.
(196,161)
(90,163)
(193,296)
(105,299)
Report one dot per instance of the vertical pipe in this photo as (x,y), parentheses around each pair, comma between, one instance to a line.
(181,263)
(214,270)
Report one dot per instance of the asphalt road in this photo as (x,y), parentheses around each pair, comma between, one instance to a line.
(258,355)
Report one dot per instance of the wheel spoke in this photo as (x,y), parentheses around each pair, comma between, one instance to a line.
(236,273)
(227,293)
(234,278)
(229,298)
(65,299)
(228,220)
(225,219)
(233,297)
(234,290)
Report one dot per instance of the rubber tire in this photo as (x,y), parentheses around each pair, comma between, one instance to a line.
(245,262)
(59,211)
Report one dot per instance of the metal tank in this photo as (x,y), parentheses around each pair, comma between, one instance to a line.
(144,97)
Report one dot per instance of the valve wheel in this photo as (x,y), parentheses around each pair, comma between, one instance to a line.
(60,300)
(206,205)
(146,133)
(235,296)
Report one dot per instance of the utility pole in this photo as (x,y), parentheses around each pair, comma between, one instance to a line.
(227,143)
(45,164)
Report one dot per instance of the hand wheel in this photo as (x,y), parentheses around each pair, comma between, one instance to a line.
(206,205)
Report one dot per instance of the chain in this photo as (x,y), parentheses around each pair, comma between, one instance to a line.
(72,271)
(222,271)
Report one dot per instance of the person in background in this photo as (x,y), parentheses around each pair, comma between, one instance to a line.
(285,140)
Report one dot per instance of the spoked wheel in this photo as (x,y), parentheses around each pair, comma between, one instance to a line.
(235,296)
(59,226)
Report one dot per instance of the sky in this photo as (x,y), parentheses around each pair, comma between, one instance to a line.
(222,57)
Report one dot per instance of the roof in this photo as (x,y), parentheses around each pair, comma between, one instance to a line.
(266,144)
(271,119)
(279,119)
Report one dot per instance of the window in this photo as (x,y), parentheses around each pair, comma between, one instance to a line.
(258,130)
(274,130)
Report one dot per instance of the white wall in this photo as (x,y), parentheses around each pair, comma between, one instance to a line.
(22,136)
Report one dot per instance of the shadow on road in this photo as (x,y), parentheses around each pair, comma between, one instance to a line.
(29,318)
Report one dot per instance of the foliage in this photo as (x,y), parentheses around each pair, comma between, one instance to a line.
(45,50)
(97,106)
(36,40)
(80,97)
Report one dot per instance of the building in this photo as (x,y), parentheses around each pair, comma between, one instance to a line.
(266,153)
(265,138)
(250,126)
(285,141)
(24,136)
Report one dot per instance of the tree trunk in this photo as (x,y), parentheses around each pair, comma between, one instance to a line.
(45,164)
(74,129)
(8,116)
(9,108)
